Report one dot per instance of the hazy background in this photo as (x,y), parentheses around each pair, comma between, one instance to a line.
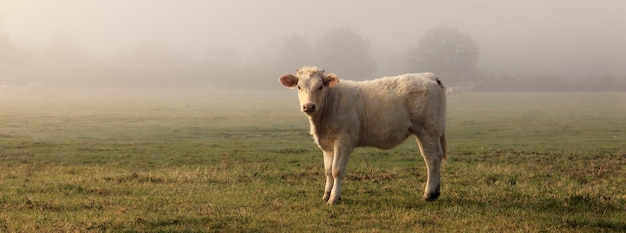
(481,45)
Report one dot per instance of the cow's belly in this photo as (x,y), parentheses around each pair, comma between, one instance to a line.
(385,138)
(385,123)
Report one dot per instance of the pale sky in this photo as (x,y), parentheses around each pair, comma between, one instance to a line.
(544,37)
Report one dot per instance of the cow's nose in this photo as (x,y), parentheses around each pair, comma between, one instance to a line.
(308,108)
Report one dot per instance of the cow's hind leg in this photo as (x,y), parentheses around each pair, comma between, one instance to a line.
(328,171)
(431,150)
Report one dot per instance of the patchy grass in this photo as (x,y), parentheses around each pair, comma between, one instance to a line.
(195,162)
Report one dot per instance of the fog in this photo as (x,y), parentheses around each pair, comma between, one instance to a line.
(248,44)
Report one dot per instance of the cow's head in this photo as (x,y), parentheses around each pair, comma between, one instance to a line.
(312,85)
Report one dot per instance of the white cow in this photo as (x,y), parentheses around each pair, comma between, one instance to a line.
(380,113)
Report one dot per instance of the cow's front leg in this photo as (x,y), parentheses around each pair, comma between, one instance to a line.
(339,164)
(328,171)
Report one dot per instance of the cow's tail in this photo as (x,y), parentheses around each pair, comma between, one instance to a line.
(442,140)
(444,145)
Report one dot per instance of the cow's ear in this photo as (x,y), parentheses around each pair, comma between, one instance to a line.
(330,80)
(288,80)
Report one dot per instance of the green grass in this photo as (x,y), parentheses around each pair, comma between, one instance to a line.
(192,161)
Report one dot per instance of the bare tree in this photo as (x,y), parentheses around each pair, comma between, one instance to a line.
(295,53)
(346,53)
(447,52)
(14,62)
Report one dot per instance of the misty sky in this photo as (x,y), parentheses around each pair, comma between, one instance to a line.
(558,37)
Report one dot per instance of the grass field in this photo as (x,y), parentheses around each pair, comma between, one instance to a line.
(202,161)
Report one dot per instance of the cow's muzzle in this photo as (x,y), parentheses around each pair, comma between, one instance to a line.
(308,108)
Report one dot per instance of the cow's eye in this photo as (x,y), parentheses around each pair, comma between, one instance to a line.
(298,87)
(321,88)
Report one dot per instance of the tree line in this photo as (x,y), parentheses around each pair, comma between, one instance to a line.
(447,52)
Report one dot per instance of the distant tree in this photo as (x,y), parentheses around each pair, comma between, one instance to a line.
(62,62)
(295,53)
(151,65)
(224,68)
(14,61)
(451,54)
(344,52)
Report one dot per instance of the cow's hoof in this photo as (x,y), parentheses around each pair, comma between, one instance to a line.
(326,196)
(431,196)
(333,201)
